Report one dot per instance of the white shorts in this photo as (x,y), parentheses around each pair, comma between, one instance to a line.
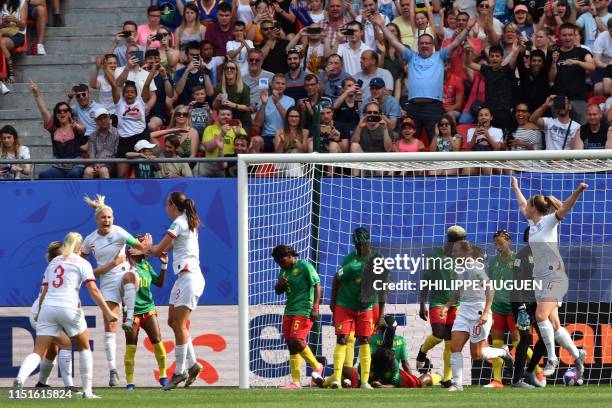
(187,290)
(554,289)
(111,288)
(467,321)
(53,319)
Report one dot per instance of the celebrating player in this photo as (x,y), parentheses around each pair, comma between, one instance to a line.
(473,321)
(59,309)
(299,280)
(440,329)
(107,245)
(145,315)
(544,214)
(182,236)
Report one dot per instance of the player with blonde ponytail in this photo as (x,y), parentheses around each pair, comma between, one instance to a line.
(118,282)
(59,309)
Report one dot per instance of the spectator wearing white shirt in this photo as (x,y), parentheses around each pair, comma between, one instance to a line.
(484,137)
(602,55)
(238,48)
(351,50)
(371,32)
(97,81)
(135,73)
(12,149)
(559,132)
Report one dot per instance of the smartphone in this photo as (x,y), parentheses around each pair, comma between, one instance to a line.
(314,30)
(277,25)
(263,84)
(157,37)
(529,44)
(360,83)
(374,118)
(303,100)
(234,122)
(125,34)
(139,55)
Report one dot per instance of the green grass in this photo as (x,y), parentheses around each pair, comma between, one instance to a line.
(558,397)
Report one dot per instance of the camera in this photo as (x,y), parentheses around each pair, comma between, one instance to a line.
(360,83)
(559,102)
(157,37)
(347,31)
(374,118)
(314,30)
(125,34)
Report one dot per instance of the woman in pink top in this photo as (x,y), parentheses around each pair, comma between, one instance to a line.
(408,143)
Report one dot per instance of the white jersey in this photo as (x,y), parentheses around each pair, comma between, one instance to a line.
(64,277)
(186,252)
(471,294)
(544,245)
(105,248)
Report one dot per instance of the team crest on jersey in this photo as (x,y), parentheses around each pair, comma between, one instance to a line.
(295,271)
(109,239)
(172,225)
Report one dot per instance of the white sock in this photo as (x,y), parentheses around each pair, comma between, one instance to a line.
(565,340)
(179,356)
(457,368)
(110,346)
(548,337)
(492,352)
(190,358)
(28,366)
(46,366)
(64,359)
(129,298)
(86,364)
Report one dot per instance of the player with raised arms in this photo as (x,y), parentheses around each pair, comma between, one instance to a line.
(59,309)
(107,246)
(473,321)
(300,281)
(145,315)
(182,237)
(440,328)
(543,213)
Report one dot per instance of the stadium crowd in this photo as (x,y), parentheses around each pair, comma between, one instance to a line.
(217,79)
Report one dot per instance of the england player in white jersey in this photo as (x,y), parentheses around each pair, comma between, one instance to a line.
(544,214)
(59,309)
(474,318)
(117,282)
(189,285)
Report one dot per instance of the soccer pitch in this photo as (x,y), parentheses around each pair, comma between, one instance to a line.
(422,398)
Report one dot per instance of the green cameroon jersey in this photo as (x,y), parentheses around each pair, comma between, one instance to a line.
(399,348)
(300,291)
(350,277)
(144,297)
(500,269)
(437,260)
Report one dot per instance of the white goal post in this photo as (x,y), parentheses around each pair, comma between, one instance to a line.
(383,182)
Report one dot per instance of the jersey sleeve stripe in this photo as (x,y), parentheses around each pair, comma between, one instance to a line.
(45,284)
(172,235)
(89,280)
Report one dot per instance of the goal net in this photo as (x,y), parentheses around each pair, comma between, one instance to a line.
(314,202)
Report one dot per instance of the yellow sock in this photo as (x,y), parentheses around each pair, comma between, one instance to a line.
(448,373)
(309,357)
(349,360)
(498,362)
(364,362)
(128,361)
(430,342)
(435,379)
(160,356)
(339,357)
(295,363)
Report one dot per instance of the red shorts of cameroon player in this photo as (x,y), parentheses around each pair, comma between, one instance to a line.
(296,327)
(434,315)
(375,316)
(141,318)
(347,320)
(410,381)
(503,323)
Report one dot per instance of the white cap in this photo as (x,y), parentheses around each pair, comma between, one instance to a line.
(143,144)
(100,111)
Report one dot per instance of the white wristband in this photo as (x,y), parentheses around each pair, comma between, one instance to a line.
(164,266)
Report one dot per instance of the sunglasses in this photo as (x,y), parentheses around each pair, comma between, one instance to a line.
(81,94)
(267,28)
(181,114)
(63,110)
(372,112)
(254,60)
(484,6)
(443,124)
(165,34)
(230,68)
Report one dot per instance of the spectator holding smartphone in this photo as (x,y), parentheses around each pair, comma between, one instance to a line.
(274,48)
(369,70)
(129,37)
(352,49)
(560,130)
(329,137)
(312,53)
(173,170)
(146,32)
(14,15)
(12,149)
(347,111)
(371,33)
(97,81)
(102,144)
(157,114)
(254,75)
(134,71)
(195,73)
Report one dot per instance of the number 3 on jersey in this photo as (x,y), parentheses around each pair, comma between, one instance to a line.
(58,281)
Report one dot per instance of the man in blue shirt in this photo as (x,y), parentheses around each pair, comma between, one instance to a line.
(272,111)
(425,75)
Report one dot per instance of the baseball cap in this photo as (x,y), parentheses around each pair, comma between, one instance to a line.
(99,112)
(80,88)
(377,83)
(521,7)
(408,122)
(143,144)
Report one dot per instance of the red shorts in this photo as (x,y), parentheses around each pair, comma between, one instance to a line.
(434,315)
(141,318)
(296,327)
(503,323)
(347,320)
(410,381)
(375,315)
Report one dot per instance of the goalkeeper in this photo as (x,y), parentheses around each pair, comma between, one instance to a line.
(299,280)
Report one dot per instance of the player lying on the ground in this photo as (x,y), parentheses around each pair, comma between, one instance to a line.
(300,282)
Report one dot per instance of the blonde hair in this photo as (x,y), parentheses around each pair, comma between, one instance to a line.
(53,250)
(239,83)
(98,204)
(173,116)
(545,204)
(73,243)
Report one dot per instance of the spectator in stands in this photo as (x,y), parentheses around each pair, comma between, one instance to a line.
(392,60)
(452,101)
(263,12)
(68,138)
(446,138)
(594,21)
(14,15)
(446,32)
(488,29)
(404,22)
(102,144)
(332,77)
(157,114)
(238,48)
(209,11)
(37,10)
(285,16)
(371,33)
(146,32)
(477,94)
(145,150)
(220,32)
(312,52)
(173,170)
(242,10)
(559,132)
(562,12)
(389,107)
(218,141)
(422,22)
(533,78)
(168,54)
(334,20)
(602,56)
(241,146)
(458,55)
(274,48)
(316,11)
(347,110)
(407,142)
(292,137)
(189,30)
(12,149)
(523,21)
(526,135)
(272,111)
(425,77)
(351,50)
(201,115)
(136,73)
(372,133)
(543,40)
(596,133)
(308,104)
(180,125)
(128,34)
(484,137)
(210,62)
(57,19)
(569,70)
(195,73)
(97,81)
(171,12)
(329,136)
(295,76)
(84,108)
(370,70)
(255,73)
(509,37)
(232,92)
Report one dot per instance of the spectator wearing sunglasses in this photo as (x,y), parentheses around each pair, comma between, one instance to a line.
(274,48)
(372,133)
(84,107)
(252,76)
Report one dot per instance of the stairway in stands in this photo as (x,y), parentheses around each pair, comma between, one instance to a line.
(70,59)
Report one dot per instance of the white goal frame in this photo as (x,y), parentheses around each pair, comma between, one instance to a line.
(471,159)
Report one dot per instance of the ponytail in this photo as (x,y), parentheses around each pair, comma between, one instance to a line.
(187,206)
(545,204)
(98,204)
(73,243)
(553,203)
